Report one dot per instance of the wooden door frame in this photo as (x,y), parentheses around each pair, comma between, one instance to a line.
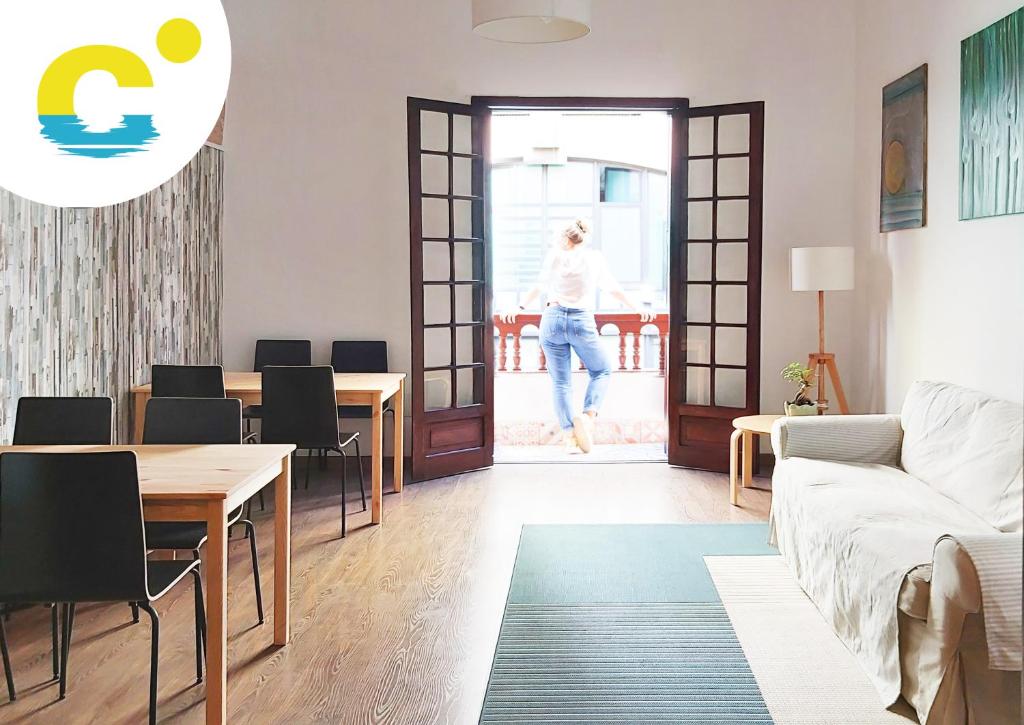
(579,103)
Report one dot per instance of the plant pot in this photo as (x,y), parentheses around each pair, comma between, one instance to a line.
(805,409)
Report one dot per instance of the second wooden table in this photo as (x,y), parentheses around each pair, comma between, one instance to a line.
(366,389)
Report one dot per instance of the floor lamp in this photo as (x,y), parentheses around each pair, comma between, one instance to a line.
(821,269)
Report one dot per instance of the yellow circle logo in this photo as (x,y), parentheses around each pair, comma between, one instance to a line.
(179,40)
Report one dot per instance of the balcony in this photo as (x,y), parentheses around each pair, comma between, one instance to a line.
(632,423)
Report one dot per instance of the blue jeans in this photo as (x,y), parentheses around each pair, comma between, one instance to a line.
(563,330)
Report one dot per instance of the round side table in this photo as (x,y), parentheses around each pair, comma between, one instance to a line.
(748,428)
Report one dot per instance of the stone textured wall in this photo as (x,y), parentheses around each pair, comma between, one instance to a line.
(90,298)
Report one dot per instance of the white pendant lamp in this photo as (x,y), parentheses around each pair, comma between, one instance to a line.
(531,21)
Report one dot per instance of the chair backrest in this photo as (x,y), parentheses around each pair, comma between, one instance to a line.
(71,528)
(282,352)
(188,381)
(64,421)
(193,421)
(300,406)
(359,356)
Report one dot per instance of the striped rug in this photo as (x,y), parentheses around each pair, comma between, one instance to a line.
(645,649)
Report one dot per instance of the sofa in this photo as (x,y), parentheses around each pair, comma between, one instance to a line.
(905,532)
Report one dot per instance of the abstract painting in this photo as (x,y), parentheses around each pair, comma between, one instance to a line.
(905,151)
(992,120)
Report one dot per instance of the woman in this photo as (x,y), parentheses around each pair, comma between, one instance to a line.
(571,274)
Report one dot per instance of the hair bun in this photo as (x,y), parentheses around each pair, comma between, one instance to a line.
(576,232)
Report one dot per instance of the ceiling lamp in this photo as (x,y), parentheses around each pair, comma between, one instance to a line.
(531,21)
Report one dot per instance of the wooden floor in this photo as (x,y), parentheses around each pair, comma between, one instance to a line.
(394,624)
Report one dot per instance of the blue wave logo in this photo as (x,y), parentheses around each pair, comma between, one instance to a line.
(72,136)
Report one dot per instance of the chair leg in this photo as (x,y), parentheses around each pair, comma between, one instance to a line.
(362,482)
(65,649)
(263,505)
(250,531)
(55,640)
(154,659)
(195,557)
(295,460)
(8,673)
(200,619)
(135,613)
(309,464)
(344,492)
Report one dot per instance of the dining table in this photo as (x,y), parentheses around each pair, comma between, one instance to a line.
(205,483)
(370,390)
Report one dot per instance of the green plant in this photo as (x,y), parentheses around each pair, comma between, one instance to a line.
(804,377)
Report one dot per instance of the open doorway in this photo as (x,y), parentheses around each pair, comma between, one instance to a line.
(610,168)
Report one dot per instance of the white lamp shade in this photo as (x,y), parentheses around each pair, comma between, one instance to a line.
(531,21)
(822,268)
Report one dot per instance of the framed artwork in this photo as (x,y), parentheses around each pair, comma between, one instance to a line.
(992,120)
(905,152)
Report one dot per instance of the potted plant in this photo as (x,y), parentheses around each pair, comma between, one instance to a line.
(804,377)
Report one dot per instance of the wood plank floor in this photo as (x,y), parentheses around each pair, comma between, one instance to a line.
(394,624)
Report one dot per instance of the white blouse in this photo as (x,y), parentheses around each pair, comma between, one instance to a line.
(572,277)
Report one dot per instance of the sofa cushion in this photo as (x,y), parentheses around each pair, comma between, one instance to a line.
(967,446)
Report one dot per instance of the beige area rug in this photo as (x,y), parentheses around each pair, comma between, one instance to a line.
(805,672)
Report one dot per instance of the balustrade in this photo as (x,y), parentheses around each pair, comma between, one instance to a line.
(627,324)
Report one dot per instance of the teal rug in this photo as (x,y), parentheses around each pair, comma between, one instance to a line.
(622,624)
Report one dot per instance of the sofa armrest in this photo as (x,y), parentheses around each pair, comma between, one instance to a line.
(847,438)
(954,578)
(982,571)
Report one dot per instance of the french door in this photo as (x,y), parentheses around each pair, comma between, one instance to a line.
(713,367)
(715,338)
(452,327)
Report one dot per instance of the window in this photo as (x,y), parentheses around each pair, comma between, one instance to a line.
(620,186)
(628,208)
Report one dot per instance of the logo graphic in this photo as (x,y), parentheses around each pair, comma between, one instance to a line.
(125,93)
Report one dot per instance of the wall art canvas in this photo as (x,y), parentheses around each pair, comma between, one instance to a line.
(992,120)
(905,152)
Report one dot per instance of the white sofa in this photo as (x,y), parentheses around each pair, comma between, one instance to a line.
(905,531)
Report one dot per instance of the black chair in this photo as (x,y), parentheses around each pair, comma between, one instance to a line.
(188,381)
(300,407)
(12,694)
(64,421)
(197,421)
(277,352)
(42,421)
(71,531)
(360,356)
(192,381)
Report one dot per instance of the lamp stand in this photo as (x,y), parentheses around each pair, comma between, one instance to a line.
(822,362)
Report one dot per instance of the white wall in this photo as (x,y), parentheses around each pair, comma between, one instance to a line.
(945,302)
(316,191)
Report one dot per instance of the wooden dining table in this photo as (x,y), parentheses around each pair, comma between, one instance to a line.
(204,483)
(371,390)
